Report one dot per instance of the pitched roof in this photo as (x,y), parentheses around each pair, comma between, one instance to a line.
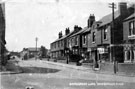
(87,30)
(72,32)
(131,16)
(81,31)
(60,38)
(108,18)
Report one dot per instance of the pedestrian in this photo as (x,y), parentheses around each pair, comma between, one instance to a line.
(48,58)
(96,64)
(80,60)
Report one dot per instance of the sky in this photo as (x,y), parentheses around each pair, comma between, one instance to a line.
(28,19)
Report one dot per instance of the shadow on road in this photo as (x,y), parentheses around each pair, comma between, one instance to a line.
(39,70)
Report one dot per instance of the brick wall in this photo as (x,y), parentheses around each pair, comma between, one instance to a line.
(124,68)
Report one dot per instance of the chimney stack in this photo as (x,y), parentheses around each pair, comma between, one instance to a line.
(123,10)
(60,34)
(67,31)
(91,20)
(76,28)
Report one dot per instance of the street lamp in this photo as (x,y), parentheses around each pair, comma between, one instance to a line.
(36,39)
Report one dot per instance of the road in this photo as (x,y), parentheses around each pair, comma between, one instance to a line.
(43,75)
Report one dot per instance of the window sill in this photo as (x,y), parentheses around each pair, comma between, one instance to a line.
(131,37)
(105,39)
(127,61)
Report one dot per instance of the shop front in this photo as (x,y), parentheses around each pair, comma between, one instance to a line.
(103,53)
(129,52)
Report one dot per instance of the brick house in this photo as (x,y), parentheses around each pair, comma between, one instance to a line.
(58,47)
(93,40)
(62,47)
(85,35)
(98,41)
(72,43)
(129,38)
(2,34)
(108,40)
(75,43)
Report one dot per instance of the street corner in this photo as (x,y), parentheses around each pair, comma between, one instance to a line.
(12,67)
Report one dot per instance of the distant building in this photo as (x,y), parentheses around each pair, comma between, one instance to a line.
(30,53)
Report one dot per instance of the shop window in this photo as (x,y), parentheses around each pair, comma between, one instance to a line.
(128,55)
(132,55)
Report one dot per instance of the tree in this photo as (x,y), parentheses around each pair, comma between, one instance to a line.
(43,52)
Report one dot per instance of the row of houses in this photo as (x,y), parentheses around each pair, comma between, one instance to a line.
(100,40)
(2,34)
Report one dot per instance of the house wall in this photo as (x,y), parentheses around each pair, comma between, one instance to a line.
(90,38)
(99,37)
(2,34)
(57,49)
(86,44)
(126,29)
(129,48)
(108,40)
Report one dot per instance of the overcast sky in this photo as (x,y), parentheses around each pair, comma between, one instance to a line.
(28,19)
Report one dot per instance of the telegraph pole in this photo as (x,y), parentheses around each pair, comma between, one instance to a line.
(36,39)
(113,6)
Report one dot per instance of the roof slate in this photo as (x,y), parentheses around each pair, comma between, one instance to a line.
(81,31)
(131,16)
(64,36)
(108,18)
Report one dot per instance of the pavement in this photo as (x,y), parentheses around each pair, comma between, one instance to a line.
(13,67)
(87,67)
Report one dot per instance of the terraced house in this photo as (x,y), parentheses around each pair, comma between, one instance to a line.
(58,47)
(105,42)
(63,46)
(129,38)
(99,41)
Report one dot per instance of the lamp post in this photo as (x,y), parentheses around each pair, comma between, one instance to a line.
(36,39)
